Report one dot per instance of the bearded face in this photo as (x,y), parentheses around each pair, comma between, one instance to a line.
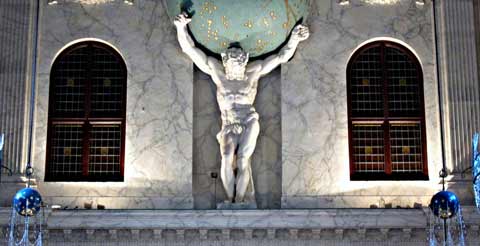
(235,62)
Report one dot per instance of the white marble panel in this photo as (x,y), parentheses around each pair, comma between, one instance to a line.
(158,171)
(240,219)
(314,106)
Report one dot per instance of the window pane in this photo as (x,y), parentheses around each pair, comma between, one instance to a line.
(69,84)
(105,148)
(66,151)
(406,147)
(403,85)
(107,84)
(366,85)
(368,145)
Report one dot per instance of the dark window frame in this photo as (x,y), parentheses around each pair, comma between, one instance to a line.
(386,121)
(86,121)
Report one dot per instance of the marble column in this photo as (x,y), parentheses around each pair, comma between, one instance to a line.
(15,17)
(15,59)
(460,89)
(476,5)
(459,80)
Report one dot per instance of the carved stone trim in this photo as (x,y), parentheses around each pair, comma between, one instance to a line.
(399,228)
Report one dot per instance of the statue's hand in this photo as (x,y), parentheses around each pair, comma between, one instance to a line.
(300,33)
(182,20)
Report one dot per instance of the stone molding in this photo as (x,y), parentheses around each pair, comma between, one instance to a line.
(345,225)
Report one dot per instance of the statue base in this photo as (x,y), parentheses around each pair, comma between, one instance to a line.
(236,206)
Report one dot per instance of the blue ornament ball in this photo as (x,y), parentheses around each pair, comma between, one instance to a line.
(444,204)
(27,202)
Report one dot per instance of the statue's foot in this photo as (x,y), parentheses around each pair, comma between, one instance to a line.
(239,200)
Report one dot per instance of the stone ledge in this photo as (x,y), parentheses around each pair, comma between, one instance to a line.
(355,225)
(232,219)
(355,201)
(122,202)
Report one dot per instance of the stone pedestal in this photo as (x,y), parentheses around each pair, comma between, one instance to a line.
(236,206)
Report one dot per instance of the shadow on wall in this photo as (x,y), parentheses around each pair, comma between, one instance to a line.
(266,162)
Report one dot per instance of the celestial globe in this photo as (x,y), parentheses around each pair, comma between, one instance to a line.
(257,26)
(27,202)
(444,204)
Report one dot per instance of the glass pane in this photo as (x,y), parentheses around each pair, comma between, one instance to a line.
(105,149)
(366,85)
(107,84)
(69,84)
(406,147)
(66,151)
(403,85)
(368,147)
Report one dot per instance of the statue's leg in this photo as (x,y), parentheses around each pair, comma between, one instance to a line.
(227,150)
(246,147)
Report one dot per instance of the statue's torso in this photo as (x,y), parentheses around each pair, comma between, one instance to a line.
(235,97)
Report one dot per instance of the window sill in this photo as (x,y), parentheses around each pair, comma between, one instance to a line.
(85,179)
(385,177)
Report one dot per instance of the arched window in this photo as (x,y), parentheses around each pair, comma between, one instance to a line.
(386,118)
(86,117)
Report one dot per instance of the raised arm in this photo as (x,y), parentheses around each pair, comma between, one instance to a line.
(188,46)
(299,33)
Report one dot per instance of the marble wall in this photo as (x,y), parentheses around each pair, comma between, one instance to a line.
(158,171)
(315,158)
(301,160)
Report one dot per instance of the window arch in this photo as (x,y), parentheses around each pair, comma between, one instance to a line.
(86,117)
(386,118)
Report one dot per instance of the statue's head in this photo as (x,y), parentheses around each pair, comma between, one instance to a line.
(235,61)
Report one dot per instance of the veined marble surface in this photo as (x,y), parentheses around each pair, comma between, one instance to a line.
(158,169)
(313,117)
(315,157)
(241,219)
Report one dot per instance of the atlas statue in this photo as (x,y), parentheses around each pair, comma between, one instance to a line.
(236,81)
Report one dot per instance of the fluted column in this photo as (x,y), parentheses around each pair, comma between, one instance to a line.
(15,19)
(459,80)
